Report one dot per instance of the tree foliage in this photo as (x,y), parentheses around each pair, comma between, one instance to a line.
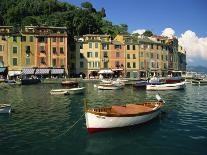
(78,20)
(148,33)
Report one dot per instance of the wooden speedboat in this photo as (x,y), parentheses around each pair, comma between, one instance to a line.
(110,86)
(59,92)
(98,119)
(77,90)
(174,86)
(69,83)
(5,108)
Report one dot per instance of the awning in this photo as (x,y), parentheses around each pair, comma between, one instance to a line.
(2,69)
(28,71)
(41,71)
(14,73)
(106,71)
(118,69)
(57,71)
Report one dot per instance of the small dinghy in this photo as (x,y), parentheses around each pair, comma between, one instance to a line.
(78,90)
(59,92)
(5,108)
(99,119)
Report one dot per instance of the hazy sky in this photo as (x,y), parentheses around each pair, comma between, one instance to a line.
(187,19)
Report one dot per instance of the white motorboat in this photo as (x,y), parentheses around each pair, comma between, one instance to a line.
(173,86)
(5,108)
(99,119)
(78,90)
(110,86)
(59,92)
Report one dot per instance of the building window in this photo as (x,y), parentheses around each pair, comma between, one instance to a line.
(14,50)
(96,45)
(157,47)
(14,38)
(96,65)
(117,54)
(1,58)
(128,47)
(151,46)
(105,46)
(105,54)
(1,48)
(134,47)
(42,49)
(89,54)
(54,50)
(134,56)
(157,56)
(23,38)
(61,62)
(61,39)
(90,45)
(152,64)
(41,39)
(117,46)
(81,55)
(151,54)
(142,65)
(157,64)
(128,65)
(27,60)
(53,39)
(61,50)
(81,64)
(31,38)
(117,64)
(42,60)
(89,64)
(162,57)
(128,56)
(141,54)
(14,61)
(53,62)
(134,64)
(96,54)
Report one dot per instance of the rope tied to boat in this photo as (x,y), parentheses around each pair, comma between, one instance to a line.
(70,128)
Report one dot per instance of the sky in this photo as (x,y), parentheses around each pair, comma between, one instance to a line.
(186,19)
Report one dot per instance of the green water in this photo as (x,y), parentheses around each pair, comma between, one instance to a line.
(42,124)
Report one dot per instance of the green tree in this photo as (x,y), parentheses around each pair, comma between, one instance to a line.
(148,33)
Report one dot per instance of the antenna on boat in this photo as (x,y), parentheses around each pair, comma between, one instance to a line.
(159,98)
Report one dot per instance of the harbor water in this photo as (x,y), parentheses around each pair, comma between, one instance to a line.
(45,124)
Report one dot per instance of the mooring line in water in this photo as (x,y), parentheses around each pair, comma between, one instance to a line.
(67,131)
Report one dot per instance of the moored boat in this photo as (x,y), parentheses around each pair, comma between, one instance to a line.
(30,81)
(98,119)
(110,86)
(69,83)
(199,82)
(78,90)
(59,92)
(173,86)
(5,108)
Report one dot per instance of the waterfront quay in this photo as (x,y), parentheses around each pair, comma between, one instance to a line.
(41,123)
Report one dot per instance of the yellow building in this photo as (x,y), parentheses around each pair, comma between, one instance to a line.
(92,54)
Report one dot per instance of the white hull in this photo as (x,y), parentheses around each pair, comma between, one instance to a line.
(109,87)
(76,90)
(5,108)
(95,122)
(59,91)
(175,86)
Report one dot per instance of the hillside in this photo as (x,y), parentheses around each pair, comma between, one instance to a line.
(197,69)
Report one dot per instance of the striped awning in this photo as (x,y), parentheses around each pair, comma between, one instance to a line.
(41,71)
(57,71)
(2,69)
(28,71)
(14,73)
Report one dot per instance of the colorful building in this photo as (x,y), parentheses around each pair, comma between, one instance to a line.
(34,47)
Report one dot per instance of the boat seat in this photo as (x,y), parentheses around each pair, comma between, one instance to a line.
(130,109)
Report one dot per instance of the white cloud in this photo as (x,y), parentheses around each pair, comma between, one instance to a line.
(168,32)
(196,48)
(140,31)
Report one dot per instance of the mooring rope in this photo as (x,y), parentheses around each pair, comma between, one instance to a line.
(69,129)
